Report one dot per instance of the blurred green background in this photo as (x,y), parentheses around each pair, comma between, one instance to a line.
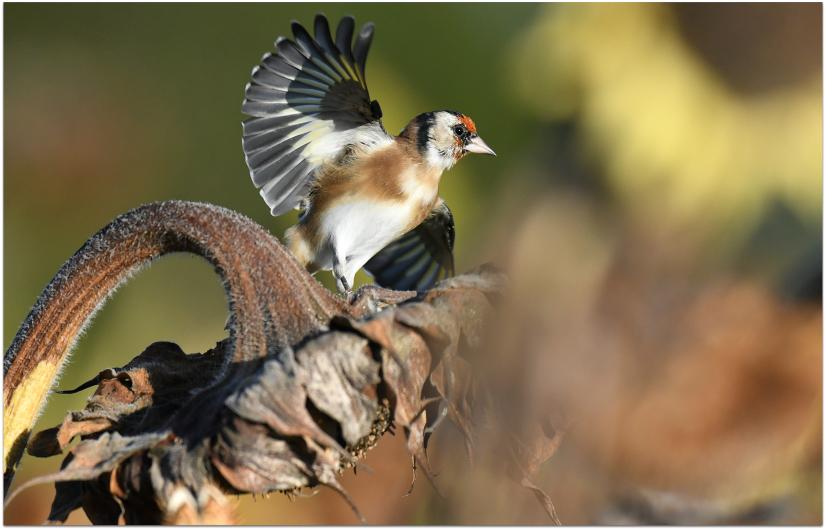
(699,124)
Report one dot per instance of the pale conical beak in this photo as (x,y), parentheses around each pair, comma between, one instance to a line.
(477,145)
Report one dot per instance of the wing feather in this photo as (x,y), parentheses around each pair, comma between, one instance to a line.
(362,46)
(420,257)
(308,102)
(344,38)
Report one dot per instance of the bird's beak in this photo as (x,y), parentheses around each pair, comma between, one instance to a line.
(477,145)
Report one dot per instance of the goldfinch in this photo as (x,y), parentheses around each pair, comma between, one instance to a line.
(315,142)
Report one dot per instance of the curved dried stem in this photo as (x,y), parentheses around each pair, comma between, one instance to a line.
(305,384)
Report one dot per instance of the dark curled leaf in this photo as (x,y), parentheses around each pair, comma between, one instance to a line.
(68,498)
(93,457)
(340,369)
(276,396)
(251,460)
(45,443)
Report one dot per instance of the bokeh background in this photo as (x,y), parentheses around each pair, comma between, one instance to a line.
(656,200)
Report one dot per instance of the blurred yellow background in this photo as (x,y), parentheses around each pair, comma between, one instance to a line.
(658,150)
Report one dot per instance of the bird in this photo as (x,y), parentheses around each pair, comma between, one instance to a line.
(314,142)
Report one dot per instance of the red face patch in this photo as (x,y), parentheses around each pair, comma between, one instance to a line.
(468,123)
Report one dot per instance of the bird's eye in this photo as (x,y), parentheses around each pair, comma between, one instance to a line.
(460,131)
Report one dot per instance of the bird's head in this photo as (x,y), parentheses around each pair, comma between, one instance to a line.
(445,136)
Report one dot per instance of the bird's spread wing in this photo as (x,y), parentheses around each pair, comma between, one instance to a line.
(308,102)
(421,257)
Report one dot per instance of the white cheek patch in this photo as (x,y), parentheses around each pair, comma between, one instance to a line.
(441,148)
(437,160)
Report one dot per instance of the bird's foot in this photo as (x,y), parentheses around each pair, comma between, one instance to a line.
(343,284)
(370,298)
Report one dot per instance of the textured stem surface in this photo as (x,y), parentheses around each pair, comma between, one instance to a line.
(273,302)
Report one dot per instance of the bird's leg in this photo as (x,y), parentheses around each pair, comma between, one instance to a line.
(342,283)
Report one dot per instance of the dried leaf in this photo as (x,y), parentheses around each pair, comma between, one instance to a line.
(311,379)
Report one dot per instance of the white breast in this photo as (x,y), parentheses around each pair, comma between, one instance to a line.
(358,229)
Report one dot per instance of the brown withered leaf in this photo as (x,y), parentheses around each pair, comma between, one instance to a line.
(166,437)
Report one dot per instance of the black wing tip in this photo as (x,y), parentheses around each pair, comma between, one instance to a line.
(347,23)
(321,26)
(362,45)
(367,30)
(375,108)
(298,28)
